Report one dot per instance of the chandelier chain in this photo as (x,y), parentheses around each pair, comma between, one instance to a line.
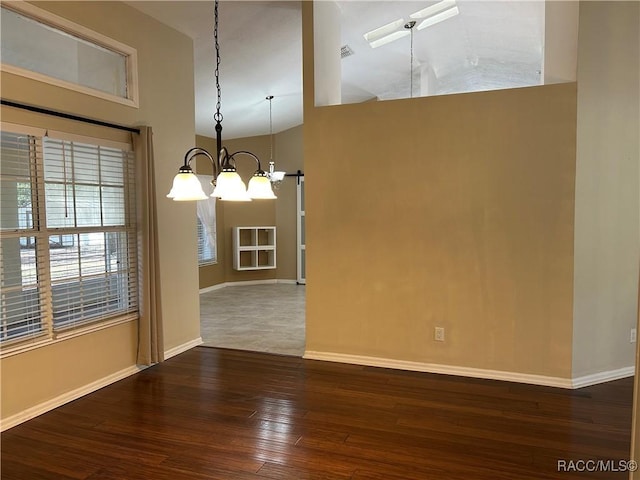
(217,116)
(270,97)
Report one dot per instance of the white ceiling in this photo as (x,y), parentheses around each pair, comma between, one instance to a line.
(488,45)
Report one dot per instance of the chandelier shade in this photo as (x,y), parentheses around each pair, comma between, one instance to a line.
(186,187)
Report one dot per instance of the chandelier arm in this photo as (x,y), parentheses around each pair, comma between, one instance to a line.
(194,152)
(244,152)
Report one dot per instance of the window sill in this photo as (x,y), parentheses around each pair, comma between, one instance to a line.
(206,264)
(27,346)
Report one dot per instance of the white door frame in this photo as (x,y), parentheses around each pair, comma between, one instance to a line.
(301,247)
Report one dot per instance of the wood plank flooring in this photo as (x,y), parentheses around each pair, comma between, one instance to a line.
(225,414)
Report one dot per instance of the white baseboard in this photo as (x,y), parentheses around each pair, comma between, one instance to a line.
(602,377)
(247,282)
(472,372)
(60,400)
(569,383)
(172,352)
(44,407)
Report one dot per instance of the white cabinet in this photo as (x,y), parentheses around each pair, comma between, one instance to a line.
(254,248)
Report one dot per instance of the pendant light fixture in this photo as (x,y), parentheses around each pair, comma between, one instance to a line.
(409,26)
(228,184)
(275,177)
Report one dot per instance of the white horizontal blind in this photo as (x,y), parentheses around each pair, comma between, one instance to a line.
(90,221)
(24,307)
(68,237)
(206,225)
(206,254)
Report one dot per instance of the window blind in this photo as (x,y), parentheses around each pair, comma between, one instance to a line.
(68,245)
(90,220)
(206,225)
(24,306)
(205,251)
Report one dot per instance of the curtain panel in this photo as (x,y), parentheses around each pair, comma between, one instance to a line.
(150,338)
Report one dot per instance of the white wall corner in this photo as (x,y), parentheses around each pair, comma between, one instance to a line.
(602,377)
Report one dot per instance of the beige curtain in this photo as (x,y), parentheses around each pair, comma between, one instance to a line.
(150,342)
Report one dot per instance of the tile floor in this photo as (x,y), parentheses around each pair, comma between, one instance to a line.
(262,318)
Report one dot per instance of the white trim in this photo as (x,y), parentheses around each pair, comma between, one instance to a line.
(56,82)
(442,369)
(102,142)
(574,383)
(78,31)
(602,377)
(56,402)
(212,288)
(24,129)
(301,248)
(172,352)
(247,282)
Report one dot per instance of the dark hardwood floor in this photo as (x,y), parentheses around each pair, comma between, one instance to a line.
(223,414)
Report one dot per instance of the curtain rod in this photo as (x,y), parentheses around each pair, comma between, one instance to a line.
(68,116)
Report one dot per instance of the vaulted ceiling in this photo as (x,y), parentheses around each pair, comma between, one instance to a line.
(487,45)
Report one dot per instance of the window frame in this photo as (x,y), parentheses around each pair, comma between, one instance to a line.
(83,33)
(51,333)
(214,248)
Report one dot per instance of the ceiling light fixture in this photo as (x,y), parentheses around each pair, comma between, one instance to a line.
(433,9)
(385,34)
(378,33)
(440,17)
(388,39)
(275,177)
(228,184)
(392,31)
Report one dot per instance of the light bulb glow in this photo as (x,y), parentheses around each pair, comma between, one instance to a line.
(260,187)
(186,187)
(229,186)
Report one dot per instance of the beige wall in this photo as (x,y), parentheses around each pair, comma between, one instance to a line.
(607,216)
(165,67)
(454,211)
(287,154)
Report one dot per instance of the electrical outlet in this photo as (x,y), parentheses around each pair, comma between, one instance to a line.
(438,334)
(633,336)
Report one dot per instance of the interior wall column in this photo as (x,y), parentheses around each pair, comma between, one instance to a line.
(327,39)
(560,41)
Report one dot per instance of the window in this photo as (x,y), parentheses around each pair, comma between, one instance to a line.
(206,249)
(206,225)
(48,48)
(67,236)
